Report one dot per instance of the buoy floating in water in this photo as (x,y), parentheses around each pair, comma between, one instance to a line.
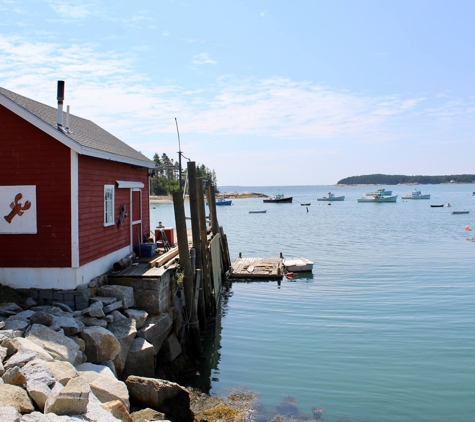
(467,228)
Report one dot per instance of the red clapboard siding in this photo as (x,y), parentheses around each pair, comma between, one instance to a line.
(28,156)
(95,240)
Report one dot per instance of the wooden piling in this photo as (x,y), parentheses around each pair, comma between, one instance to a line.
(185,262)
(210,310)
(212,209)
(195,227)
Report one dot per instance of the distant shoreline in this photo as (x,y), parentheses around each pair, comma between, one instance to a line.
(167,199)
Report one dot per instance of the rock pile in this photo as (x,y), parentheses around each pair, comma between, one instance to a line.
(57,364)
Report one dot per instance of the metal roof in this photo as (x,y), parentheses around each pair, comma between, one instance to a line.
(87,137)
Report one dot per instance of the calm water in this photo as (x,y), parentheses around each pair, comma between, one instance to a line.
(384,328)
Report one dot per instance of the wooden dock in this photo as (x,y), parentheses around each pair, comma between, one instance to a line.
(257,269)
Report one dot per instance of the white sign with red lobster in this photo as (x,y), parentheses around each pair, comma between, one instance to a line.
(18,210)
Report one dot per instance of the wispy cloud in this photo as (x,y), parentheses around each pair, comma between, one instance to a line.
(106,88)
(203,58)
(165,33)
(194,41)
(72,9)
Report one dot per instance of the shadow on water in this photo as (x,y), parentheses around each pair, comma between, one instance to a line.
(242,398)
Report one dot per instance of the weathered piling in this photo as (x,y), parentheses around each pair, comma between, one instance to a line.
(210,308)
(188,279)
(195,233)
(210,196)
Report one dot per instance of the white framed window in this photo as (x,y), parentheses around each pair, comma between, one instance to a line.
(108,205)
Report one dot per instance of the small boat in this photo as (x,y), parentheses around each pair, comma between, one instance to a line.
(378,198)
(436,205)
(331,197)
(258,212)
(295,265)
(306,205)
(222,201)
(278,199)
(459,212)
(473,193)
(416,195)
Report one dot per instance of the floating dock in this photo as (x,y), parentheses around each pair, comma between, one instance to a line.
(257,269)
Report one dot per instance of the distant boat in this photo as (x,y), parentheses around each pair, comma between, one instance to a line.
(258,212)
(306,205)
(416,195)
(378,197)
(459,212)
(436,205)
(222,201)
(278,199)
(331,197)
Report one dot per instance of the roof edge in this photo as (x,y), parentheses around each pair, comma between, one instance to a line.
(92,152)
(40,124)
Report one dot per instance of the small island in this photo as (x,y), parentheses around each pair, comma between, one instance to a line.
(388,179)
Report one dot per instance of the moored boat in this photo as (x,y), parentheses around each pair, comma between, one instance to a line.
(331,197)
(222,201)
(436,205)
(416,195)
(378,198)
(258,212)
(280,198)
(459,212)
(297,264)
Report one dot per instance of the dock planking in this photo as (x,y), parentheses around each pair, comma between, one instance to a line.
(257,268)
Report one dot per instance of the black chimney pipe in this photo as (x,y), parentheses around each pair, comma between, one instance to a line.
(60,91)
(60,97)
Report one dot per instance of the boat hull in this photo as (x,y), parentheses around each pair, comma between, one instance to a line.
(296,265)
(278,201)
(417,197)
(224,203)
(460,212)
(257,212)
(436,205)
(335,198)
(379,199)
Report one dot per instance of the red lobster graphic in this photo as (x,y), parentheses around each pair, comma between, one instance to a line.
(17,208)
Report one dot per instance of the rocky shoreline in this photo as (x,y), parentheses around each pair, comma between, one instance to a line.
(93,364)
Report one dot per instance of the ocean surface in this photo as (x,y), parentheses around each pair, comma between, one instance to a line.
(384,327)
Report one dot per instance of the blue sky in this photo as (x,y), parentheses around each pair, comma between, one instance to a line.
(266,92)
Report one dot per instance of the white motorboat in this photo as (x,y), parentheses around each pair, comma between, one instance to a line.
(416,195)
(331,197)
(296,265)
(378,198)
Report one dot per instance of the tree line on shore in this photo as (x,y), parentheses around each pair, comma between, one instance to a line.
(165,177)
(388,179)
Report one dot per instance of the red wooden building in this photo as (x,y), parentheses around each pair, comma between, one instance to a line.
(74,199)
